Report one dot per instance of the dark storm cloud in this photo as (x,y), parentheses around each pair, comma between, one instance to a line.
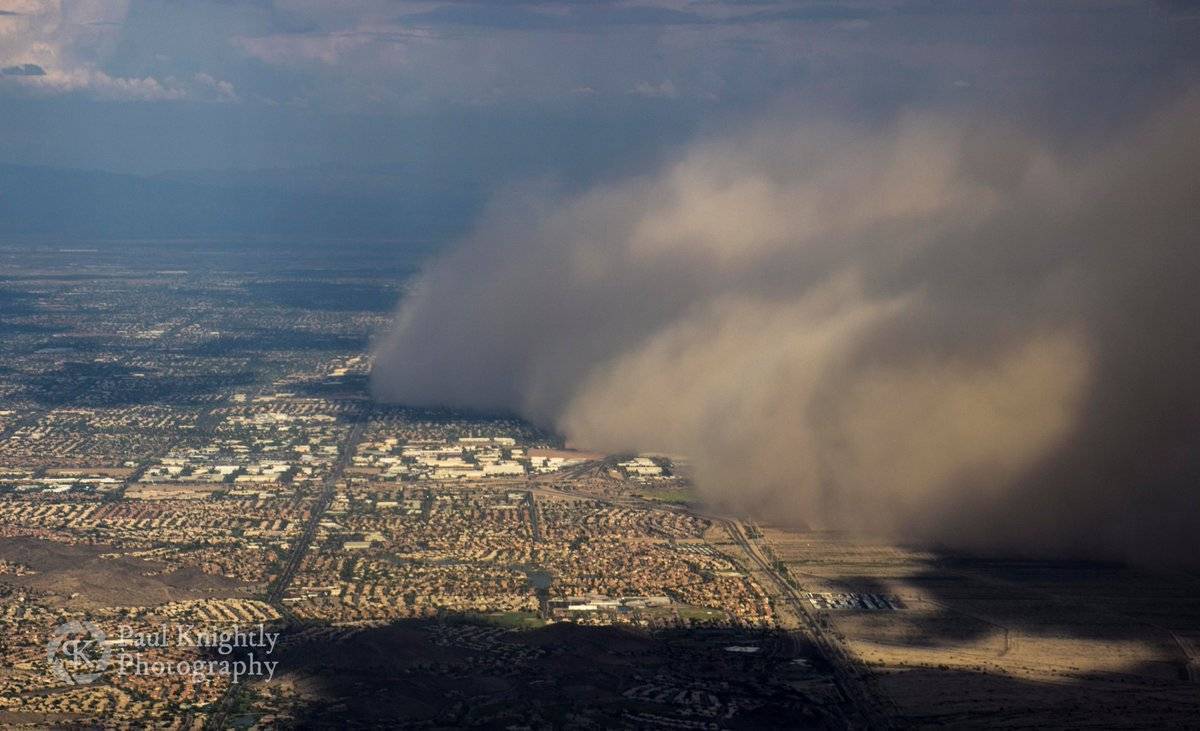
(598,16)
(807,13)
(939,327)
(578,17)
(24,69)
(294,80)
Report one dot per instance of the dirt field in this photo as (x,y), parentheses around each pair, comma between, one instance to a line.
(82,577)
(1010,643)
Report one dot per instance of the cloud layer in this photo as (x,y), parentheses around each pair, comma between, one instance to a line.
(305,82)
(52,47)
(942,329)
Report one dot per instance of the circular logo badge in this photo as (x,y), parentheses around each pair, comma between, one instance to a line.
(77,652)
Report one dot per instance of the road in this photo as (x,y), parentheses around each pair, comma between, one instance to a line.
(535,528)
(329,490)
(220,715)
(875,713)
(844,667)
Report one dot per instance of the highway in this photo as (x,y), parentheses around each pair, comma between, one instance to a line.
(329,490)
(874,713)
(844,666)
(220,715)
(874,710)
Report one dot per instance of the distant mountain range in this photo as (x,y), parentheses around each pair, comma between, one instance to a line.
(319,201)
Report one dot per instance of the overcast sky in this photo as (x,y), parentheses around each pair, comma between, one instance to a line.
(511,89)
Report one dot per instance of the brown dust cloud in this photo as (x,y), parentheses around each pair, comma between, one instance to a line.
(935,328)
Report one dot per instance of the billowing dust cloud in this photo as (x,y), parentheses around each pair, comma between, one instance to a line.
(943,330)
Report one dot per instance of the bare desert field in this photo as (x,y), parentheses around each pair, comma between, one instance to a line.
(1009,642)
